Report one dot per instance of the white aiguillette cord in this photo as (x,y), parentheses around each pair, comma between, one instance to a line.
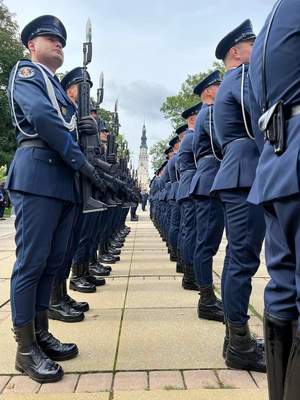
(243,104)
(51,94)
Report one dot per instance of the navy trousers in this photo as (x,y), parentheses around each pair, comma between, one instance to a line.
(209,231)
(43,229)
(188,234)
(245,230)
(282,294)
(174,225)
(88,223)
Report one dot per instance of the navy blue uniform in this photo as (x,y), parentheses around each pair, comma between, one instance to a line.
(43,187)
(277,177)
(244,223)
(175,208)
(209,212)
(188,222)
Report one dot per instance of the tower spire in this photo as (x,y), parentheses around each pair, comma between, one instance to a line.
(144,137)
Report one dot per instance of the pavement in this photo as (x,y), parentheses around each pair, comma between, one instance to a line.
(141,339)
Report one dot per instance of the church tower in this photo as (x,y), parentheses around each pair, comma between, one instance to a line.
(143,172)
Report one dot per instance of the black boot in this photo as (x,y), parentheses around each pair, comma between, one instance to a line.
(242,351)
(95,280)
(77,305)
(78,282)
(30,358)
(279,339)
(48,343)
(292,381)
(260,342)
(98,270)
(189,280)
(209,307)
(173,254)
(179,264)
(59,309)
(114,251)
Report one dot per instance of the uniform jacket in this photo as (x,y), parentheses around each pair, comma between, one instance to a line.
(187,166)
(43,171)
(207,164)
(240,152)
(174,177)
(278,176)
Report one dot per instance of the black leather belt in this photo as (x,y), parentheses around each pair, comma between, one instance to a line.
(33,143)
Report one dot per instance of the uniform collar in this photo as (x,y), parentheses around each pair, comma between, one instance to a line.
(46,68)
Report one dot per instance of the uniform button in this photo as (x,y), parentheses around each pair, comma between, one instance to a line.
(50,160)
(73,161)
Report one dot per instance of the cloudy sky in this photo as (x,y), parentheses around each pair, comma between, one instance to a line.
(145,48)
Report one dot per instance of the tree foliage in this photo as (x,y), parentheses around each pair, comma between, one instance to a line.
(157,152)
(173,106)
(11,50)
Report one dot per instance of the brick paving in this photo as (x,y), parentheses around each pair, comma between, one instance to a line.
(144,265)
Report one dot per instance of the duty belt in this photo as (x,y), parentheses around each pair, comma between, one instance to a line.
(34,143)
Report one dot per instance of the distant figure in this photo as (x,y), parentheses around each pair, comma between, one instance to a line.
(3,201)
(144,195)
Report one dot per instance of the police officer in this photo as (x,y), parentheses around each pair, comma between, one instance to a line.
(244,222)
(43,190)
(188,222)
(275,94)
(144,196)
(62,306)
(176,217)
(209,212)
(173,228)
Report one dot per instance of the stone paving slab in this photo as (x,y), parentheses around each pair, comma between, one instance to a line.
(96,338)
(6,265)
(108,296)
(211,394)
(54,396)
(169,339)
(155,293)
(4,290)
(257,298)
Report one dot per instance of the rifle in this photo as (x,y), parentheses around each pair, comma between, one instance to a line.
(90,204)
(111,149)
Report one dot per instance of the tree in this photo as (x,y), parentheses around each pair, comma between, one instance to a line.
(157,152)
(173,106)
(11,50)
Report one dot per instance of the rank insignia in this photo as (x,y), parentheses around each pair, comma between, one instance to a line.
(26,72)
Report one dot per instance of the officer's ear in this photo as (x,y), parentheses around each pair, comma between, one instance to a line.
(31,45)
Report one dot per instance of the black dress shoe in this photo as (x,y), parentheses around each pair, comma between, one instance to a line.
(61,310)
(30,358)
(78,282)
(116,258)
(98,270)
(113,250)
(51,346)
(106,259)
(242,352)
(116,243)
(82,306)
(209,307)
(96,280)
(77,305)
